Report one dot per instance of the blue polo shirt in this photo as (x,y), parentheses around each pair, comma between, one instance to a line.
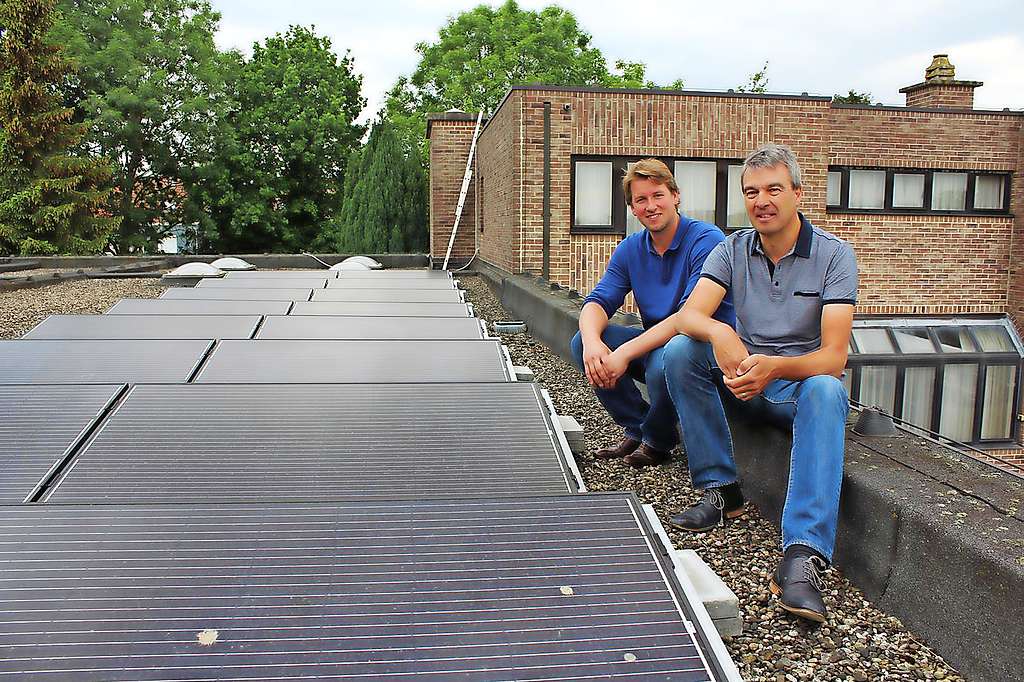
(660,284)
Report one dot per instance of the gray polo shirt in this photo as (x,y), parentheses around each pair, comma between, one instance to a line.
(779,312)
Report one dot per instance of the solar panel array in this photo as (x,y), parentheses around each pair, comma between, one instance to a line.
(234,481)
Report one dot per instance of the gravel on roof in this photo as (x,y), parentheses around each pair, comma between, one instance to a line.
(859,643)
(22,309)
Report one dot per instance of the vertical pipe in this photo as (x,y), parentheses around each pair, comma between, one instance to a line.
(546,210)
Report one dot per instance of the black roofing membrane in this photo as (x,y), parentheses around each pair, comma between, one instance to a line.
(164,306)
(557,588)
(331,327)
(210,442)
(38,428)
(389,295)
(363,309)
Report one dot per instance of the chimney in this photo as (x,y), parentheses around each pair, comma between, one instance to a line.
(940,89)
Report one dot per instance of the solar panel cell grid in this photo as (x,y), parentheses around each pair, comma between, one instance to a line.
(381,309)
(331,327)
(243,294)
(537,589)
(91,361)
(145,327)
(389,295)
(164,306)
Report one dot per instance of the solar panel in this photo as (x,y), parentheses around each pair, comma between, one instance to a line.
(164,306)
(40,426)
(263,283)
(92,361)
(362,309)
(330,327)
(389,295)
(145,327)
(212,442)
(508,589)
(382,275)
(320,361)
(397,283)
(278,274)
(242,294)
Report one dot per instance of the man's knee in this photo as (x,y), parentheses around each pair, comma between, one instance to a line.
(824,390)
(684,350)
(576,349)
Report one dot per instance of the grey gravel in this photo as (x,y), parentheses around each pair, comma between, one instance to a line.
(22,309)
(859,642)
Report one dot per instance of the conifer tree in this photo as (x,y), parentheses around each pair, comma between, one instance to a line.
(51,201)
(384,203)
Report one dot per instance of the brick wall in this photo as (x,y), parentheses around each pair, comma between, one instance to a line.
(498,165)
(449,150)
(942,96)
(1016,284)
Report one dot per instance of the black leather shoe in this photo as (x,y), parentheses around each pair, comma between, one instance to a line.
(618,451)
(646,456)
(715,507)
(797,583)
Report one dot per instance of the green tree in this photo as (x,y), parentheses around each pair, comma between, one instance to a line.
(757,82)
(385,202)
(852,97)
(51,201)
(151,83)
(292,128)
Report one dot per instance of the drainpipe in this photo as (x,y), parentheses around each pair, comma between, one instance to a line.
(546,210)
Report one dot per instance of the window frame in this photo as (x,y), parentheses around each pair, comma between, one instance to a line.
(888,209)
(939,360)
(619,208)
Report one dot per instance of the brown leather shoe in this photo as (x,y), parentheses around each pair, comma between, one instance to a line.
(646,456)
(618,451)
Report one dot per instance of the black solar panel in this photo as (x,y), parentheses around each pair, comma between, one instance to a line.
(395,283)
(318,361)
(330,327)
(241,294)
(515,589)
(360,309)
(381,275)
(263,283)
(389,295)
(164,306)
(90,361)
(145,327)
(312,442)
(278,274)
(39,427)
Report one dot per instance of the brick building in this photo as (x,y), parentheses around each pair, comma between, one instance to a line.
(930,195)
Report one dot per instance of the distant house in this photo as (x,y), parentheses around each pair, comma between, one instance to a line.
(930,194)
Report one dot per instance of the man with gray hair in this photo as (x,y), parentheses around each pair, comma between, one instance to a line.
(793,287)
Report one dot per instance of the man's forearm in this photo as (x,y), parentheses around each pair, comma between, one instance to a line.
(655,337)
(699,326)
(830,361)
(593,322)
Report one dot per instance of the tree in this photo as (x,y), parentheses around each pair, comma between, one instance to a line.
(150,81)
(51,201)
(852,97)
(757,82)
(385,202)
(277,180)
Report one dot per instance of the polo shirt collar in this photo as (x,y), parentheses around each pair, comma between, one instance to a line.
(802,247)
(676,240)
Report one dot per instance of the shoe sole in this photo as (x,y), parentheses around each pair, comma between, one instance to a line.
(803,613)
(728,516)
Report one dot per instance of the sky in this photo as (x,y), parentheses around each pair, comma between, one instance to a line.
(821,47)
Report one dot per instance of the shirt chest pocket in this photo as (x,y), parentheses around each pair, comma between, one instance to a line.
(806,310)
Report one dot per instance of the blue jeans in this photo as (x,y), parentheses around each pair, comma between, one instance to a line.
(815,407)
(654,423)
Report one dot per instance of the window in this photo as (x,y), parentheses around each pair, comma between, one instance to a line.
(697,182)
(593,196)
(709,190)
(834,191)
(949,191)
(867,189)
(958,377)
(908,190)
(917,191)
(989,192)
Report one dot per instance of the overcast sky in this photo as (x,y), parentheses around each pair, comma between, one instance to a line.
(822,47)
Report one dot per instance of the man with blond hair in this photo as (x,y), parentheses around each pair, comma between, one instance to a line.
(660,265)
